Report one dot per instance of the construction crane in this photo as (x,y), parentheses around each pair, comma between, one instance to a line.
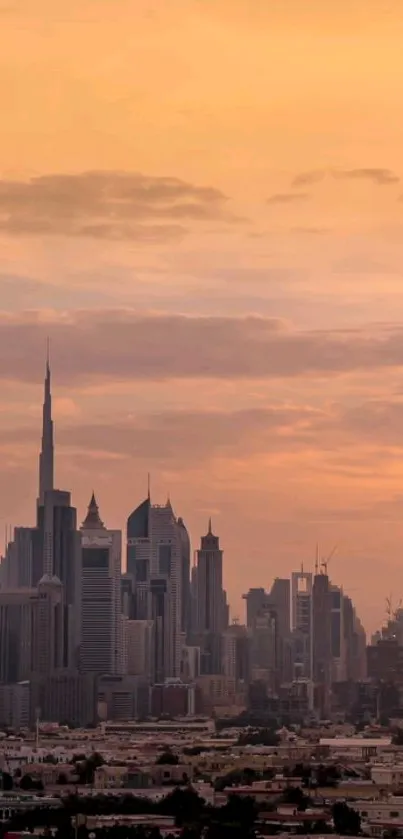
(325,562)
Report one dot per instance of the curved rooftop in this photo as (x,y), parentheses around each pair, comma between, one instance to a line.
(137,523)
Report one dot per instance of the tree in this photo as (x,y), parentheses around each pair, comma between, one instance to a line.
(347,821)
(167,759)
(27,782)
(295,795)
(6,782)
(185,804)
(86,769)
(327,776)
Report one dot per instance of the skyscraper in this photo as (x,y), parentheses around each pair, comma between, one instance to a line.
(185,578)
(210,602)
(137,578)
(302,623)
(46,457)
(31,630)
(166,586)
(322,641)
(101,621)
(56,552)
(210,593)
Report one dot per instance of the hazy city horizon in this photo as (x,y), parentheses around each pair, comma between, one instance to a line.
(216,258)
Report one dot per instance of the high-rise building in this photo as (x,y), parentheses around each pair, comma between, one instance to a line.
(166,543)
(16,566)
(210,594)
(50,627)
(137,577)
(158,554)
(257,599)
(140,648)
(15,705)
(322,642)
(46,457)
(31,630)
(23,564)
(337,635)
(236,653)
(302,623)
(185,579)
(101,621)
(263,646)
(210,602)
(56,542)
(279,603)
(17,616)
(270,611)
(190,667)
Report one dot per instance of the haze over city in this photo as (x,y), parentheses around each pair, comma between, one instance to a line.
(201,208)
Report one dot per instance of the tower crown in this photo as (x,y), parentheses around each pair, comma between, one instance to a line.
(93,520)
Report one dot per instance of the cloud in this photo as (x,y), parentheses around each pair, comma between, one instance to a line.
(349,443)
(308,178)
(107,205)
(287,197)
(103,345)
(376,175)
(168,435)
(380,177)
(311,230)
(377,420)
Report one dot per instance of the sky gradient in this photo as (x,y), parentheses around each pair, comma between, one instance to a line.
(201,204)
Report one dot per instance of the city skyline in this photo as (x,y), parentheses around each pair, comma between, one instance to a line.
(68,611)
(201,206)
(214,597)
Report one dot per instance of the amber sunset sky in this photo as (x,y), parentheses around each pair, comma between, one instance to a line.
(201,204)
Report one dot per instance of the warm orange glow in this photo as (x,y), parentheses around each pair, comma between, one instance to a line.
(282,126)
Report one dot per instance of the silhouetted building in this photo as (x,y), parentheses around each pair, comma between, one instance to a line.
(101,620)
(322,642)
(210,602)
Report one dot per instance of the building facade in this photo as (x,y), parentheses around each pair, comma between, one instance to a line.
(101,649)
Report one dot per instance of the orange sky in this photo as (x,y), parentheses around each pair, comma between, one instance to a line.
(201,204)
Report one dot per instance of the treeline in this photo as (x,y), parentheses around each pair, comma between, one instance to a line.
(196,819)
(187,808)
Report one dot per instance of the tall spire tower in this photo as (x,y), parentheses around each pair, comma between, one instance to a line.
(46,456)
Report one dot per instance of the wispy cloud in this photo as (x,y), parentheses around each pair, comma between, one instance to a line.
(104,344)
(376,175)
(287,197)
(380,177)
(308,178)
(108,205)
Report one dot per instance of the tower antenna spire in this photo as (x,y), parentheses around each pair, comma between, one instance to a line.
(46,457)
